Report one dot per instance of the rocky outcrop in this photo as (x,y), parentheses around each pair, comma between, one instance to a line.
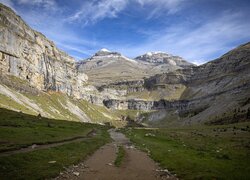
(164,58)
(134,104)
(29,55)
(180,76)
(122,88)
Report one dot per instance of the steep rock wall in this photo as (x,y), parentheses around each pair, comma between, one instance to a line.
(29,55)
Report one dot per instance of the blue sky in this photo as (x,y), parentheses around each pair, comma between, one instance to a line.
(198,30)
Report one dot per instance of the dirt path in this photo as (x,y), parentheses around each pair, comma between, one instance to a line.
(136,165)
(35,147)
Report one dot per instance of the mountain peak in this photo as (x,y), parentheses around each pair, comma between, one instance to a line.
(159,57)
(154,52)
(105,50)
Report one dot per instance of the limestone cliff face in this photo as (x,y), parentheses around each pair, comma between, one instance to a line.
(134,104)
(29,55)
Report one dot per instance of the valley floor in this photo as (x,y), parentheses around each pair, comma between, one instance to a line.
(33,147)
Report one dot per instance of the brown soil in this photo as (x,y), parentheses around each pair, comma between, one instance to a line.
(136,164)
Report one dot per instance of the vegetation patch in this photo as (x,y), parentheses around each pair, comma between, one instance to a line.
(7,102)
(19,130)
(214,152)
(48,163)
(120,155)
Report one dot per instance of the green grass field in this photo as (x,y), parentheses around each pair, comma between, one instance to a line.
(21,130)
(205,152)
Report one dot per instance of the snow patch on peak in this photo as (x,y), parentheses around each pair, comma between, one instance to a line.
(104,50)
(154,53)
(149,53)
(159,52)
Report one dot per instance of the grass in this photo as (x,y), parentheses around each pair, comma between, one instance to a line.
(100,114)
(21,130)
(217,152)
(52,104)
(18,130)
(119,156)
(35,165)
(7,102)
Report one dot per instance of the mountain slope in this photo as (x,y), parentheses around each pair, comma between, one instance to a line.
(214,92)
(109,67)
(52,104)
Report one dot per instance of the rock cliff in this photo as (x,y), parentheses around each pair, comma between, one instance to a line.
(29,55)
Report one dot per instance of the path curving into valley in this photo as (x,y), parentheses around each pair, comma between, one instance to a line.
(35,147)
(100,166)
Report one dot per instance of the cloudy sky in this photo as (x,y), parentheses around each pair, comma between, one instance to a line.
(198,30)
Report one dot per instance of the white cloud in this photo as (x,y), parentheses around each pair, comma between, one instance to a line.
(160,6)
(98,10)
(93,11)
(206,42)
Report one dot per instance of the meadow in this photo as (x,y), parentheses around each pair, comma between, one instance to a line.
(18,130)
(202,152)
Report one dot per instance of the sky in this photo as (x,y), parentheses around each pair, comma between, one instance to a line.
(197,30)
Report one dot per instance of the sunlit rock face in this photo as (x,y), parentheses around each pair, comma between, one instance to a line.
(29,55)
(164,58)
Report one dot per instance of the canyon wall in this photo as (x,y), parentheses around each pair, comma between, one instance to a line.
(29,55)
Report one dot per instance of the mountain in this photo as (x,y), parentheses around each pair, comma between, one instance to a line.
(217,92)
(109,67)
(160,62)
(164,58)
(157,89)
